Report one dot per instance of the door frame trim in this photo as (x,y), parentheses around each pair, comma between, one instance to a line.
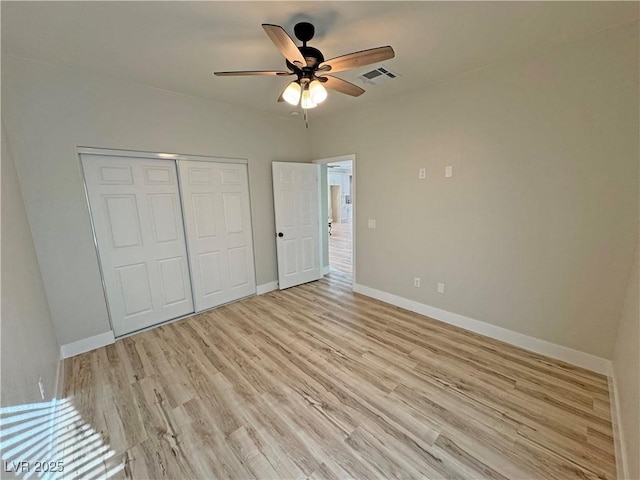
(343,158)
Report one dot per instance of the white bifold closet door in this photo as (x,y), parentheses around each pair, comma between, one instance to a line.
(217,214)
(137,219)
(170,240)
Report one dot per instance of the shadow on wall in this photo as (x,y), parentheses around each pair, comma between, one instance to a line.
(50,440)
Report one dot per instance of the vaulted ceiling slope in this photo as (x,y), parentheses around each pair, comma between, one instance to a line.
(178,45)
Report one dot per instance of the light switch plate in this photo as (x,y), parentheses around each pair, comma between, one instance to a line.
(372,224)
(448,171)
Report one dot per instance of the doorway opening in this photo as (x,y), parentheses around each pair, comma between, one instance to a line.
(338,205)
(340,215)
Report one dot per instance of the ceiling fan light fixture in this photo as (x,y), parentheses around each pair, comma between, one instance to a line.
(291,94)
(317,92)
(307,102)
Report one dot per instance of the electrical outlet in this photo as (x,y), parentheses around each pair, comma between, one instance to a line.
(372,224)
(41,387)
(416,282)
(422,173)
(440,288)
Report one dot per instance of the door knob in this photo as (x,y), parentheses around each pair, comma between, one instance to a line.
(280,234)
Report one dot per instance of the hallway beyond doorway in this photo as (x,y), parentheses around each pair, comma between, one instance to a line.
(340,247)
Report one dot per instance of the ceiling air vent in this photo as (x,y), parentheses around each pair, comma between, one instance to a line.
(377,75)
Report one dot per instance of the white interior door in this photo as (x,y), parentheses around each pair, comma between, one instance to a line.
(137,218)
(296,198)
(215,199)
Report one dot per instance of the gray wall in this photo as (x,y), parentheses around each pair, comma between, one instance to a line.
(626,369)
(28,342)
(537,229)
(50,110)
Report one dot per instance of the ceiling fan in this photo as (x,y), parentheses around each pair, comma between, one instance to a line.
(311,69)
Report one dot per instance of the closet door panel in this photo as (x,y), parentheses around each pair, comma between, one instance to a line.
(209,269)
(232,206)
(134,289)
(238,267)
(164,213)
(215,198)
(174,288)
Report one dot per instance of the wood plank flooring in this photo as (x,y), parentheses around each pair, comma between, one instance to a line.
(317,382)
(340,247)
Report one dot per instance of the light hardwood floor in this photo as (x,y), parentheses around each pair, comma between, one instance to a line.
(317,382)
(340,247)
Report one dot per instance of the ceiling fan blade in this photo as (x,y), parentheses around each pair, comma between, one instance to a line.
(359,59)
(253,72)
(342,86)
(285,44)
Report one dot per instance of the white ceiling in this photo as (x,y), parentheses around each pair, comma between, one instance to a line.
(178,45)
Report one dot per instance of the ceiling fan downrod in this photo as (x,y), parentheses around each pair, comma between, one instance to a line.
(304,31)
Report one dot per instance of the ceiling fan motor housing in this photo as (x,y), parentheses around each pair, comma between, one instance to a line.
(313,56)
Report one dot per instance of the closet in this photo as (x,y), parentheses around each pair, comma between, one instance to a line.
(173,235)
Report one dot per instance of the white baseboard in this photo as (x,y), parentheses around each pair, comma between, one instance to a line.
(87,344)
(266,287)
(622,467)
(326,270)
(569,355)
